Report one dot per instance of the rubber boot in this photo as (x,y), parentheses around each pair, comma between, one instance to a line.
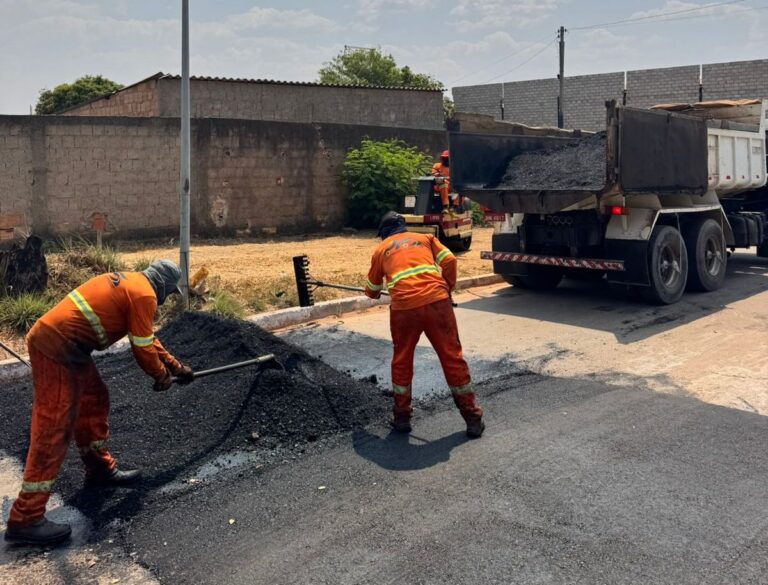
(401,423)
(475,427)
(41,533)
(114,478)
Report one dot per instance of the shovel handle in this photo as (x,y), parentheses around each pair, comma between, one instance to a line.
(236,366)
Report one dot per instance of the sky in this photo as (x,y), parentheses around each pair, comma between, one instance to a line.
(459,42)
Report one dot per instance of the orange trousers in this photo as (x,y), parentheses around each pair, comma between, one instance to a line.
(67,400)
(438,322)
(444,190)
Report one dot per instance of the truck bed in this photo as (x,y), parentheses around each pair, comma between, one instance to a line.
(645,151)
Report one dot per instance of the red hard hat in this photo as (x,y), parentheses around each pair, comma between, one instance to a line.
(445,154)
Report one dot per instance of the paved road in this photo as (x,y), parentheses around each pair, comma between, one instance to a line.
(575,482)
(626,444)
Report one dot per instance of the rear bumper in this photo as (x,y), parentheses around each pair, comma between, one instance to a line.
(557,261)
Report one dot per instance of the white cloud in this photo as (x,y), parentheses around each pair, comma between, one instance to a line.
(679,9)
(370,10)
(274,19)
(495,13)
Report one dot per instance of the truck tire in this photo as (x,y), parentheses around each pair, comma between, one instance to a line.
(668,266)
(538,278)
(707,258)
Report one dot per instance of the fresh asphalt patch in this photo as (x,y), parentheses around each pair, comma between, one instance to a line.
(575,481)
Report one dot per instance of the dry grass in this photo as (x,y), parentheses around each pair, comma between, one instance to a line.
(254,276)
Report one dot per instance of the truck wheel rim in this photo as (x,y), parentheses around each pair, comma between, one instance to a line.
(713,256)
(669,266)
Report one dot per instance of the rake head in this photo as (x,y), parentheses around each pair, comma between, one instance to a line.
(303,279)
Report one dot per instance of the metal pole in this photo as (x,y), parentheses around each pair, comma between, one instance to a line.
(184,186)
(561,77)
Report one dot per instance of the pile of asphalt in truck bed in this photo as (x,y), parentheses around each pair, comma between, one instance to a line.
(578,165)
(171,434)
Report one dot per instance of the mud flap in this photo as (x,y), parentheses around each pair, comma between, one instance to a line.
(634,253)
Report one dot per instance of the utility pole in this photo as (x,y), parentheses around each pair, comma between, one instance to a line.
(184,186)
(561,77)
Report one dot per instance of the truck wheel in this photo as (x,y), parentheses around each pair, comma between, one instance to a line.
(457,244)
(668,266)
(707,257)
(538,278)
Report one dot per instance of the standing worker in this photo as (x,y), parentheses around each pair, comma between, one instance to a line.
(441,170)
(70,397)
(409,264)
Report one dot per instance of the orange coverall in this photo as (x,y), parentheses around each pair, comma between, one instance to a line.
(409,264)
(440,170)
(69,395)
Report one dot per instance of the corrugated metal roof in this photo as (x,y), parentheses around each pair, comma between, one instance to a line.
(303,83)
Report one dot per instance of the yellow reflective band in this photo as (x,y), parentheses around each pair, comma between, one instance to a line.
(36,486)
(141,341)
(442,255)
(400,389)
(465,389)
(415,271)
(93,446)
(372,286)
(91,317)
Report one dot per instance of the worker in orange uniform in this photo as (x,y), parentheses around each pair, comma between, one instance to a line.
(70,397)
(409,266)
(442,171)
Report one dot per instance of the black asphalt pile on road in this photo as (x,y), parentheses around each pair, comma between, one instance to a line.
(171,434)
(578,165)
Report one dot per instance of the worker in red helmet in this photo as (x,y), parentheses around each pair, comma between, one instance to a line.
(441,170)
(419,273)
(70,398)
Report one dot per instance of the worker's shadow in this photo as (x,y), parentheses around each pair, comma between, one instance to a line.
(402,452)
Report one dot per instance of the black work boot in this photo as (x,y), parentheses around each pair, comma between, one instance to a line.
(114,478)
(475,427)
(402,424)
(41,533)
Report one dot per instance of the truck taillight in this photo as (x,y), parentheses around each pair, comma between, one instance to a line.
(616,210)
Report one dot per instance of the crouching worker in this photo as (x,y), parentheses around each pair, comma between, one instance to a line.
(70,398)
(409,265)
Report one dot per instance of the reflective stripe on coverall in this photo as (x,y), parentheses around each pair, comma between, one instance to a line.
(70,398)
(421,304)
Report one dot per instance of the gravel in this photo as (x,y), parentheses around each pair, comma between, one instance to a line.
(578,164)
(172,434)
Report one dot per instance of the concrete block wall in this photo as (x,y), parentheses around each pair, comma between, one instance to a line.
(138,100)
(305,103)
(60,173)
(535,102)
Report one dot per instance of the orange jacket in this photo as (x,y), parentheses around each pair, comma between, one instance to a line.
(411,264)
(97,314)
(438,170)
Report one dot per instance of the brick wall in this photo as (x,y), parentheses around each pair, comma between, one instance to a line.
(160,96)
(138,100)
(535,102)
(58,173)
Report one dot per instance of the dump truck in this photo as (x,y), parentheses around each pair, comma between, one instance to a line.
(653,204)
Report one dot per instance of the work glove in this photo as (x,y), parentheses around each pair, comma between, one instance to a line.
(184,374)
(162,384)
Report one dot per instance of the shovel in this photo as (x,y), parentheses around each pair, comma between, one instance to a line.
(267,362)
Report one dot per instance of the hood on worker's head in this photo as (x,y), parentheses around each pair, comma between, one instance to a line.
(392,223)
(164,277)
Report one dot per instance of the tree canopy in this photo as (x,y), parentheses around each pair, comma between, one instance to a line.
(67,95)
(372,67)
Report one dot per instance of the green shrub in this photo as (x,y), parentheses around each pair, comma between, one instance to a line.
(379,175)
(142,263)
(97,259)
(20,313)
(478,215)
(224,305)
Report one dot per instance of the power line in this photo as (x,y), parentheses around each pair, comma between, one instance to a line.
(531,58)
(692,17)
(516,53)
(656,16)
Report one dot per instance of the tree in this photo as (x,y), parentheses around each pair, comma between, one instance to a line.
(372,67)
(68,95)
(449,108)
(379,175)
